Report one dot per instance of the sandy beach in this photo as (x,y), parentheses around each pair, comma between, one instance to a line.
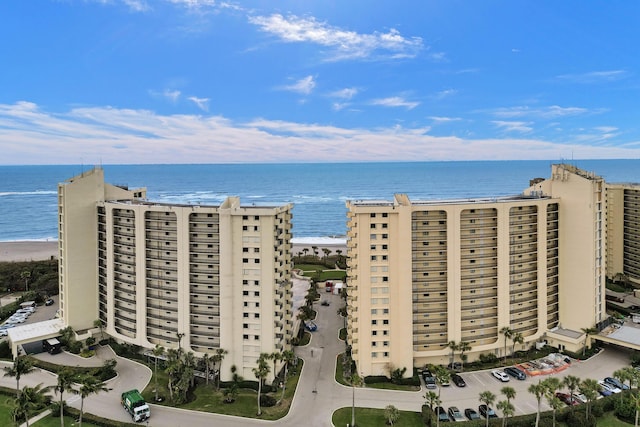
(38,250)
(28,251)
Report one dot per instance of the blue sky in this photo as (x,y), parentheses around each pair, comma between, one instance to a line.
(205,81)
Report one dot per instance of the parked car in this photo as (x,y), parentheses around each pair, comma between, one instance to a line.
(567,399)
(14,320)
(579,397)
(310,326)
(458,380)
(4,332)
(443,417)
(429,379)
(455,414)
(609,387)
(49,301)
(444,382)
(604,391)
(471,414)
(616,383)
(487,412)
(515,373)
(325,303)
(497,373)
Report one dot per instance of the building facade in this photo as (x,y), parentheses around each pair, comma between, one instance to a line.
(423,274)
(623,226)
(200,278)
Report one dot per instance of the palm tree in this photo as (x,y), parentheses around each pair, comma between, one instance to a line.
(509,393)
(22,365)
(517,338)
(261,371)
(157,351)
(276,356)
(589,388)
(288,357)
(231,392)
(392,414)
(635,398)
(25,402)
(552,384)
(587,332)
(26,275)
(65,383)
(571,382)
(305,250)
(315,251)
(508,333)
(217,361)
(442,375)
(431,399)
(507,410)
(538,390)
(98,324)
(326,252)
(453,346)
(625,374)
(487,398)
(172,368)
(89,385)
(463,347)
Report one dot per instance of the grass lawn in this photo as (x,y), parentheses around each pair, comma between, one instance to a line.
(339,376)
(207,399)
(6,407)
(375,417)
(55,422)
(610,420)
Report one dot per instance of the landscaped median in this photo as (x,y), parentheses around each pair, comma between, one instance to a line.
(207,398)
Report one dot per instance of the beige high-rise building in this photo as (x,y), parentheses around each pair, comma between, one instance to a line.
(425,273)
(623,228)
(190,276)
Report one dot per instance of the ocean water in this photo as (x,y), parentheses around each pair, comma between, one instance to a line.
(318,191)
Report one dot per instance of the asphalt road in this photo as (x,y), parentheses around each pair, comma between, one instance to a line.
(318,395)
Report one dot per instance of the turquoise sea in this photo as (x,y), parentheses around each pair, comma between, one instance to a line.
(318,191)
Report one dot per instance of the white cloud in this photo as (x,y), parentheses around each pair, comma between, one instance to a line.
(593,76)
(395,101)
(510,126)
(550,112)
(346,93)
(31,135)
(171,95)
(445,93)
(344,44)
(606,129)
(439,119)
(303,86)
(202,103)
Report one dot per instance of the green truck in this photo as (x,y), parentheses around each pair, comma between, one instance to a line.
(135,405)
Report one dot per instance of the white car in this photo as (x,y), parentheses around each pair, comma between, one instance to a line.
(580,397)
(3,333)
(497,373)
(609,387)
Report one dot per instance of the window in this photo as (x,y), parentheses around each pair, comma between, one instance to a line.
(374,258)
(374,322)
(245,326)
(373,236)
(373,226)
(385,322)
(245,314)
(372,215)
(373,247)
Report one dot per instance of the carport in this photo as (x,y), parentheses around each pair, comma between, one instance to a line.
(33,334)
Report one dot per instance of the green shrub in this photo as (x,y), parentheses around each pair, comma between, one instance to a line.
(625,409)
(579,419)
(5,350)
(267,400)
(375,379)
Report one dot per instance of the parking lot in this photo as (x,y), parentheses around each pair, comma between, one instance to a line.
(41,313)
(598,367)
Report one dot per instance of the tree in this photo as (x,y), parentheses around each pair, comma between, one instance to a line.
(487,398)
(538,390)
(507,410)
(517,338)
(26,275)
(587,332)
(288,357)
(157,351)
(625,374)
(463,347)
(508,333)
(392,414)
(571,382)
(276,356)
(89,385)
(552,384)
(442,375)
(64,384)
(326,252)
(98,324)
(431,399)
(635,398)
(453,346)
(589,388)
(261,371)
(231,392)
(217,359)
(315,251)
(28,400)
(305,250)
(22,365)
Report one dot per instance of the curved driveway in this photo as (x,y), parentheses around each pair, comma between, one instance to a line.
(318,394)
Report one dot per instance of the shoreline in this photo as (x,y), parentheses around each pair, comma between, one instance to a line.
(41,250)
